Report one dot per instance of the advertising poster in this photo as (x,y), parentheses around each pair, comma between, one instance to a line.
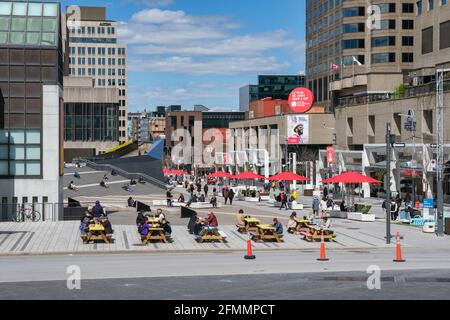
(298,129)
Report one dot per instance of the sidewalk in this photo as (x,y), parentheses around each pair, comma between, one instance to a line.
(63,238)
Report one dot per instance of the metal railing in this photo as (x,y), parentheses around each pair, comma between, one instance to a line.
(128,175)
(410,92)
(31,212)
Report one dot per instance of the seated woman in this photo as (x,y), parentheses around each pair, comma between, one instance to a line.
(278,226)
(212,220)
(84,225)
(166,226)
(343,206)
(292,224)
(198,227)
(240,222)
(140,220)
(181,198)
(107,225)
(144,231)
(326,225)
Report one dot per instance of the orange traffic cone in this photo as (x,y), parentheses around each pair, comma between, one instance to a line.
(399,257)
(249,255)
(323,256)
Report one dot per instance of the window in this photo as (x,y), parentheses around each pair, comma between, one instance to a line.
(430,5)
(387,24)
(407,57)
(408,24)
(407,41)
(444,39)
(408,8)
(427,40)
(353,27)
(353,44)
(443,2)
(353,12)
(383,57)
(383,41)
(386,7)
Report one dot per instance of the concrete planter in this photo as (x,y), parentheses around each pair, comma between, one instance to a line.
(338,214)
(250,199)
(360,217)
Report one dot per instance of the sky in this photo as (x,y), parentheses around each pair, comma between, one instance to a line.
(202,51)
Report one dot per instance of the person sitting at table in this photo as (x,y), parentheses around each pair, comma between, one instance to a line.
(211,220)
(199,225)
(107,225)
(278,226)
(84,225)
(240,219)
(292,224)
(144,230)
(72,186)
(192,222)
(140,220)
(181,198)
(166,226)
(343,206)
(326,225)
(97,210)
(161,216)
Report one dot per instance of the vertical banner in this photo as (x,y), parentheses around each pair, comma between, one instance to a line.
(298,129)
(330,155)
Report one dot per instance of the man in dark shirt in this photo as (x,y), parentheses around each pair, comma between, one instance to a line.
(97,210)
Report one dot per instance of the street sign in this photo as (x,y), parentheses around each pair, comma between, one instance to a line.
(428,203)
(398,145)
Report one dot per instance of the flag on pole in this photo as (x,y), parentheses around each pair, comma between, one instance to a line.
(357,62)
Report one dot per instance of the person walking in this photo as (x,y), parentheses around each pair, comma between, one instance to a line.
(226,194)
(284,202)
(231,196)
(316,206)
(206,189)
(169,198)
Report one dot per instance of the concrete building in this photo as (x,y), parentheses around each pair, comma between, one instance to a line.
(91,118)
(94,52)
(31,115)
(352,53)
(276,87)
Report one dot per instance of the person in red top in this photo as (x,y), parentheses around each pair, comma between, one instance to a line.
(212,220)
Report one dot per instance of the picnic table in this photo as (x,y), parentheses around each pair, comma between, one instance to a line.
(153,221)
(251,225)
(302,225)
(211,234)
(156,234)
(266,232)
(96,233)
(314,233)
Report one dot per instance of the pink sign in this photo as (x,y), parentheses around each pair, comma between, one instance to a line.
(301,100)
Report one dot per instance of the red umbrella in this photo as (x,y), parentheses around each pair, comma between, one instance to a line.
(248,175)
(178,172)
(166,171)
(411,173)
(220,174)
(351,177)
(288,176)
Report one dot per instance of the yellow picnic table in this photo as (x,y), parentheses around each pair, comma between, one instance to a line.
(251,224)
(155,234)
(267,232)
(153,220)
(302,225)
(96,233)
(314,233)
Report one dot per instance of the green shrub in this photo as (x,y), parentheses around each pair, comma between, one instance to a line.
(363,208)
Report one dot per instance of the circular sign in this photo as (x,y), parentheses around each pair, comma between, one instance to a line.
(301,100)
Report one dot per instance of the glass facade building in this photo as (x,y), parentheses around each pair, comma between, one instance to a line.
(91,122)
(30,57)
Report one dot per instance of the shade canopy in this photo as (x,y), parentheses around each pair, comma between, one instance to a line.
(351,177)
(220,174)
(178,172)
(288,176)
(167,171)
(248,175)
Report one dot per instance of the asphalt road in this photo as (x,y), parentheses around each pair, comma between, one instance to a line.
(281,275)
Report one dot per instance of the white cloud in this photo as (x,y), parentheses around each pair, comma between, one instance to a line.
(175,42)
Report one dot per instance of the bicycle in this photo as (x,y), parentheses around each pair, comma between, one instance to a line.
(26,214)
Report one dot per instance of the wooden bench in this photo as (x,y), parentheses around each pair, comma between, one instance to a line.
(241,229)
(210,235)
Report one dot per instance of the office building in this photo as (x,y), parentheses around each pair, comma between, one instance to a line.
(94,52)
(359,55)
(276,87)
(91,118)
(31,115)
